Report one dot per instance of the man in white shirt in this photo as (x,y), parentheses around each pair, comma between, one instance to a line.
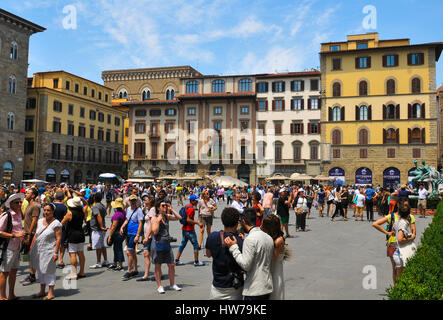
(255,258)
(421,204)
(262,193)
(237,204)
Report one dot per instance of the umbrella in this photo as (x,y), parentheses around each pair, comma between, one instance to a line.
(300,176)
(322,178)
(36,181)
(228,181)
(107,176)
(140,180)
(277,177)
(168,178)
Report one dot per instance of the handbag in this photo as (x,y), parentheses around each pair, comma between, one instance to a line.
(162,246)
(407,250)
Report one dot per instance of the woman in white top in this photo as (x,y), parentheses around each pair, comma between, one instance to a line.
(301,210)
(44,251)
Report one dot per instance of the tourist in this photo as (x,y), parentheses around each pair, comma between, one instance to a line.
(321,194)
(11,230)
(60,211)
(330,200)
(338,203)
(98,227)
(271,225)
(229,193)
(149,212)
(134,224)
(188,232)
(75,236)
(421,204)
(115,239)
(206,209)
(257,206)
(255,258)
(44,251)
(267,201)
(359,206)
(237,203)
(309,194)
(369,193)
(228,280)
(162,251)
(300,205)
(345,202)
(283,205)
(404,193)
(393,198)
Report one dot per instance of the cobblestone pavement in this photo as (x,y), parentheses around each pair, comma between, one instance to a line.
(327,263)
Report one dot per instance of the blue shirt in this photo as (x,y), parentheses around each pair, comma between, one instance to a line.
(133,222)
(87,193)
(369,194)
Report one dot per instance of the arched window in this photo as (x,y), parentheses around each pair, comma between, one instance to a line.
(390,112)
(244,85)
(391,136)
(123,94)
(363,138)
(168,95)
(336,114)
(390,87)
(218,86)
(363,113)
(416,111)
(146,94)
(416,135)
(192,86)
(336,89)
(172,94)
(363,88)
(10,121)
(8,167)
(13,54)
(336,137)
(416,85)
(12,85)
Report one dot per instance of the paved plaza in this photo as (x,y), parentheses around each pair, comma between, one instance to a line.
(327,263)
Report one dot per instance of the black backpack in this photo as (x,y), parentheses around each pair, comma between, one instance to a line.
(4,242)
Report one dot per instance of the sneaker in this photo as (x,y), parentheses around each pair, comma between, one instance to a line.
(161,290)
(126,276)
(176,287)
(133,274)
(112,267)
(118,268)
(199,264)
(96,266)
(28,281)
(105,264)
(179,263)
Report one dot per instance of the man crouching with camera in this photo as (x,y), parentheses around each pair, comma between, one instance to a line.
(228,278)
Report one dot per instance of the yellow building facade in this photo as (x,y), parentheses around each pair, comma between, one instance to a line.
(379,111)
(73,133)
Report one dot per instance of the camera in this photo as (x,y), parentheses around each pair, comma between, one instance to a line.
(171,239)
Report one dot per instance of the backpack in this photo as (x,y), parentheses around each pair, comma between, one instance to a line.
(184,215)
(4,242)
(388,228)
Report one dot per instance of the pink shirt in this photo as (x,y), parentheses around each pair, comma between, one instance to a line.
(15,243)
(267,200)
(148,216)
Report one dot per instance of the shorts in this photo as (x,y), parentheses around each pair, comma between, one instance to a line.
(321,204)
(421,204)
(206,220)
(75,247)
(359,210)
(188,236)
(131,244)
(147,246)
(98,239)
(330,201)
(309,205)
(284,220)
(225,293)
(267,211)
(12,261)
(399,263)
(46,278)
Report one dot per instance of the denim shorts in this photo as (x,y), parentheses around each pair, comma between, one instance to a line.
(397,259)
(147,246)
(131,244)
(188,236)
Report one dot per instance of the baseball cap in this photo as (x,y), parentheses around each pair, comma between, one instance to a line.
(301,190)
(133,197)
(193,198)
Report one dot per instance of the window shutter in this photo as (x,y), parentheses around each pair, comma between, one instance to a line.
(397,112)
(273,87)
(273,105)
(319,103)
(283,86)
(309,104)
(385,61)
(396,60)
(292,104)
(357,113)
(267,86)
(166,127)
(292,128)
(319,128)
(369,62)
(303,104)
(266,105)
(421,58)
(409,135)
(302,128)
(397,135)
(343,114)
(423,114)
(256,87)
(409,111)
(309,128)
(283,103)
(409,59)
(370,112)
(423,135)
(384,112)
(302,86)
(292,85)
(384,136)
(357,65)
(330,114)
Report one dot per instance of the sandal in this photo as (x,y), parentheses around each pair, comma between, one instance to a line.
(61,266)
(48,298)
(37,296)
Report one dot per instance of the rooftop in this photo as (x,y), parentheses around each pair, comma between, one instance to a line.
(10,17)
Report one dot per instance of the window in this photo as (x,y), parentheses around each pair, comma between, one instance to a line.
(314,151)
(390,112)
(298,85)
(126,132)
(109,119)
(100,152)
(146,94)
(55,154)
(71,109)
(91,132)
(154,150)
(82,112)
(12,85)
(362,62)
(140,127)
(244,110)
(390,87)
(278,152)
(297,151)
(297,128)
(390,60)
(416,153)
(391,153)
(277,127)
(191,111)
(70,129)
(29,123)
(31,103)
(313,104)
(244,85)
(169,127)
(9,144)
(363,137)
(69,152)
(92,115)
(217,126)
(140,113)
(123,94)
(170,112)
(108,135)
(416,87)
(262,87)
(55,83)
(192,86)
(363,88)
(244,125)
(262,105)
(415,59)
(314,85)
(278,86)
(99,95)
(218,110)
(334,48)
(10,121)
(106,97)
(139,149)
(336,114)
(336,138)
(416,135)
(416,111)
(336,89)
(117,122)
(363,113)
(155,112)
(336,64)
(91,156)
(76,88)
(81,154)
(218,86)
(13,53)
(391,136)
(261,126)
(363,153)
(313,128)
(56,126)
(278,105)
(101,134)
(363,45)
(101,117)
(336,153)
(57,106)
(297,104)
(29,146)
(85,91)
(170,94)
(82,131)
(92,93)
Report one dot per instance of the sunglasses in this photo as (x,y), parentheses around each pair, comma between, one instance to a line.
(16,202)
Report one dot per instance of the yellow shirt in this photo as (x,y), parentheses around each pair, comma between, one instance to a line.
(89,213)
(392,239)
(25,205)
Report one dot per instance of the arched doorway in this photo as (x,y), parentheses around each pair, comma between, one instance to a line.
(363,176)
(8,170)
(244,172)
(391,177)
(78,177)
(64,176)
(51,175)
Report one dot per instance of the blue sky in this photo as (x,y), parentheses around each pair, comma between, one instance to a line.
(215,37)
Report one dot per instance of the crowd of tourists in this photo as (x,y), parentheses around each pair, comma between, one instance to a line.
(248,254)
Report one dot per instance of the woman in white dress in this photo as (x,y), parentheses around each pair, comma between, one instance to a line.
(44,251)
(271,225)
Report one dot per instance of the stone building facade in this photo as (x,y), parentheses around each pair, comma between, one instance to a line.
(14,46)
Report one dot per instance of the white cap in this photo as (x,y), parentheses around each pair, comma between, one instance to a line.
(301,190)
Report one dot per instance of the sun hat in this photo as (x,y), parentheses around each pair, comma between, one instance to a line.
(75,202)
(118,203)
(14,197)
